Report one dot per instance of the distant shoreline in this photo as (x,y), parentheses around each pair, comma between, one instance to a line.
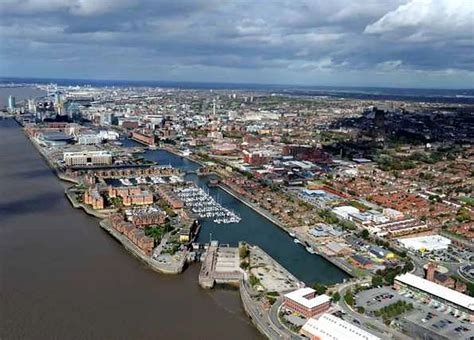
(431,95)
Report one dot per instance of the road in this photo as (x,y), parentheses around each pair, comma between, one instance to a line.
(263,319)
(157,251)
(273,317)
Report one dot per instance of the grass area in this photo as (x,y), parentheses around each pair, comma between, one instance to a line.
(358,272)
(467,200)
(358,205)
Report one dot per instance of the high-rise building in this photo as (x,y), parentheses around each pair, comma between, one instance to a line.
(11,103)
(106,118)
(31,105)
(57,98)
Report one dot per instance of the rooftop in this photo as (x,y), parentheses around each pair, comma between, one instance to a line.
(435,289)
(299,296)
(331,327)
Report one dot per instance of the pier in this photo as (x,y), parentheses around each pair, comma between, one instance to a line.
(220,265)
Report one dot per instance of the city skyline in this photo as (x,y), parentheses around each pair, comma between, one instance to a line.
(418,43)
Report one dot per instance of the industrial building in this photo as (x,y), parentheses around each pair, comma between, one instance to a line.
(330,327)
(452,299)
(426,243)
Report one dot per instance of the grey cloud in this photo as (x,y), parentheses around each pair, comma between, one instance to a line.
(297,40)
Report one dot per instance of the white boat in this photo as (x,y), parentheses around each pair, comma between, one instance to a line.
(310,250)
(297,241)
(292,234)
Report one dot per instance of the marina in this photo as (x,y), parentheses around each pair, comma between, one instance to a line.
(204,206)
(132,181)
(252,228)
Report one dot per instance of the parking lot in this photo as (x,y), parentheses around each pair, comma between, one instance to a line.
(377,298)
(426,318)
(452,254)
(439,323)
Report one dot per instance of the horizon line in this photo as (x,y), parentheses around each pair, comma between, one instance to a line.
(2,78)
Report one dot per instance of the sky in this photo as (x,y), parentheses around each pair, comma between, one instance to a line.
(390,43)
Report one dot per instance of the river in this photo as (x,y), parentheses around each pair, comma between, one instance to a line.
(63,277)
(20,94)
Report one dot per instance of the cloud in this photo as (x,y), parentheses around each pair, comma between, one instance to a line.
(280,41)
(423,18)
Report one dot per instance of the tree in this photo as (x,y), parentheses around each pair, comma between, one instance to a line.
(365,234)
(243,251)
(335,297)
(377,280)
(253,280)
(408,267)
(320,288)
(463,215)
(349,298)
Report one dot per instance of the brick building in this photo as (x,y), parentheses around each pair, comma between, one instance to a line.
(305,302)
(135,235)
(148,218)
(93,197)
(131,195)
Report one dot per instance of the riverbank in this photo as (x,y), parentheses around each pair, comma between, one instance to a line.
(275,281)
(176,153)
(51,165)
(176,267)
(101,214)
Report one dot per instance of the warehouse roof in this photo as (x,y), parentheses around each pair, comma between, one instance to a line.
(437,290)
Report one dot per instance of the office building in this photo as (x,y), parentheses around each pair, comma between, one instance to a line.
(305,302)
(106,118)
(11,103)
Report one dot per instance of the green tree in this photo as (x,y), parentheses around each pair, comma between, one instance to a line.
(365,234)
(335,297)
(377,280)
(243,251)
(408,267)
(320,288)
(349,298)
(253,280)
